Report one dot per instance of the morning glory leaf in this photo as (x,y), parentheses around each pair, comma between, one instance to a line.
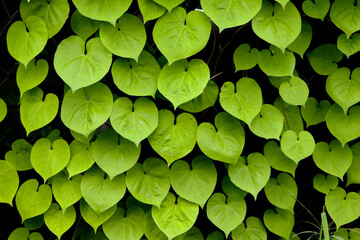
(273,62)
(151,230)
(313,112)
(254,229)
(297,146)
(80,160)
(345,15)
(3,110)
(349,46)
(216,235)
(325,184)
(169,5)
(316,9)
(352,173)
(83,26)
(19,156)
(280,222)
(245,57)
(9,182)
(323,59)
(20,233)
(150,10)
(59,221)
(295,91)
(302,42)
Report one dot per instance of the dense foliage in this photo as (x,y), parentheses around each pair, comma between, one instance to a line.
(155,119)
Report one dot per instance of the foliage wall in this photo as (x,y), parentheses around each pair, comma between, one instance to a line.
(153,119)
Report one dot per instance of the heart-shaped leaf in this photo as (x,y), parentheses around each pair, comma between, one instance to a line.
(59,221)
(313,112)
(32,200)
(49,158)
(280,222)
(26,42)
(323,59)
(34,223)
(19,156)
(123,225)
(193,234)
(134,121)
(126,39)
(277,159)
(35,112)
(297,146)
(254,229)
(83,26)
(250,174)
(325,184)
(3,110)
(150,10)
(345,127)
(137,78)
(342,88)
(334,159)
(179,35)
(295,91)
(81,138)
(31,76)
(317,9)
(175,215)
(113,153)
(225,141)
(54,13)
(79,65)
(174,140)
(80,160)
(101,192)
(293,118)
(151,230)
(268,123)
(226,212)
(98,10)
(216,235)
(352,173)
(282,191)
(349,46)
(276,25)
(66,191)
(92,218)
(24,234)
(345,15)
(9,182)
(243,104)
(169,5)
(230,189)
(343,208)
(225,13)
(245,57)
(149,182)
(182,81)
(273,62)
(85,110)
(194,183)
(302,42)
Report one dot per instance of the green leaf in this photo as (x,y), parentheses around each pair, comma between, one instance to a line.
(280,222)
(85,110)
(26,42)
(293,118)
(245,57)
(169,5)
(59,221)
(193,234)
(349,46)
(126,39)
(83,26)
(250,174)
(32,200)
(345,127)
(254,229)
(34,223)
(313,112)
(9,182)
(3,110)
(23,234)
(268,123)
(282,191)
(150,10)
(80,160)
(352,173)
(35,112)
(80,65)
(194,183)
(123,225)
(333,159)
(66,191)
(98,10)
(53,12)
(325,184)
(137,78)
(273,62)
(225,141)
(323,59)
(152,232)
(49,158)
(295,91)
(31,76)
(179,35)
(172,139)
(113,153)
(19,156)
(297,146)
(342,88)
(230,189)
(225,14)
(149,182)
(277,159)
(216,235)
(343,208)
(243,104)
(101,192)
(345,15)
(226,212)
(317,9)
(92,218)
(283,3)
(277,26)
(302,42)
(175,215)
(81,138)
